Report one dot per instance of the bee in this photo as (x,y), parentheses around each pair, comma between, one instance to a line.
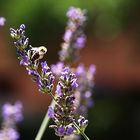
(36,53)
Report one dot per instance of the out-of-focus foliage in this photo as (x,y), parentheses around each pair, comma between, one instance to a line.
(105,16)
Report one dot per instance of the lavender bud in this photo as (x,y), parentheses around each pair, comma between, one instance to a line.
(2,21)
(82,122)
(51,112)
(22,26)
(69,130)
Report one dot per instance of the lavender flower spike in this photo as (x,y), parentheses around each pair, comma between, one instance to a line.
(11,115)
(30,58)
(74,37)
(83,93)
(63,112)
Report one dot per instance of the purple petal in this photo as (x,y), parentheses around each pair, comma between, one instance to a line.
(74,84)
(87,94)
(61,130)
(67,35)
(58,90)
(44,66)
(80,42)
(51,112)
(69,130)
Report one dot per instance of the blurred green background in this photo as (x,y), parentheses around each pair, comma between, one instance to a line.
(113,45)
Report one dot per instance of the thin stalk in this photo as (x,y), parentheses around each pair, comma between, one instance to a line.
(82,133)
(61,138)
(44,124)
(53,97)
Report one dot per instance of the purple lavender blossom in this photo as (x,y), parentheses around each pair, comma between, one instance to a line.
(11,115)
(80,42)
(64,112)
(12,111)
(69,130)
(44,67)
(58,90)
(30,57)
(24,61)
(87,94)
(51,112)
(72,12)
(2,21)
(65,72)
(74,38)
(82,122)
(9,134)
(76,14)
(57,68)
(74,84)
(64,107)
(61,130)
(22,42)
(86,84)
(80,70)
(35,75)
(67,35)
(46,79)
(18,33)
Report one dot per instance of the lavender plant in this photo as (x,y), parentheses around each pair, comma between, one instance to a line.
(12,114)
(74,38)
(74,41)
(83,93)
(69,123)
(29,57)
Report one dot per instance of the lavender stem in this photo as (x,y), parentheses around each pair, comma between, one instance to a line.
(82,133)
(44,123)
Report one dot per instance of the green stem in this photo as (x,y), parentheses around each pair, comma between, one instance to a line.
(82,133)
(53,97)
(44,124)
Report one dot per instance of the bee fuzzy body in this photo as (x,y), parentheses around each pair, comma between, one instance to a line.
(36,53)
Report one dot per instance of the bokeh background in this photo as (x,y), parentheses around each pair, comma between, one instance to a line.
(113,45)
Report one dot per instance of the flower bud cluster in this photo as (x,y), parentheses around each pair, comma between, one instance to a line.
(30,57)
(83,93)
(46,79)
(74,38)
(63,111)
(11,115)
(21,42)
